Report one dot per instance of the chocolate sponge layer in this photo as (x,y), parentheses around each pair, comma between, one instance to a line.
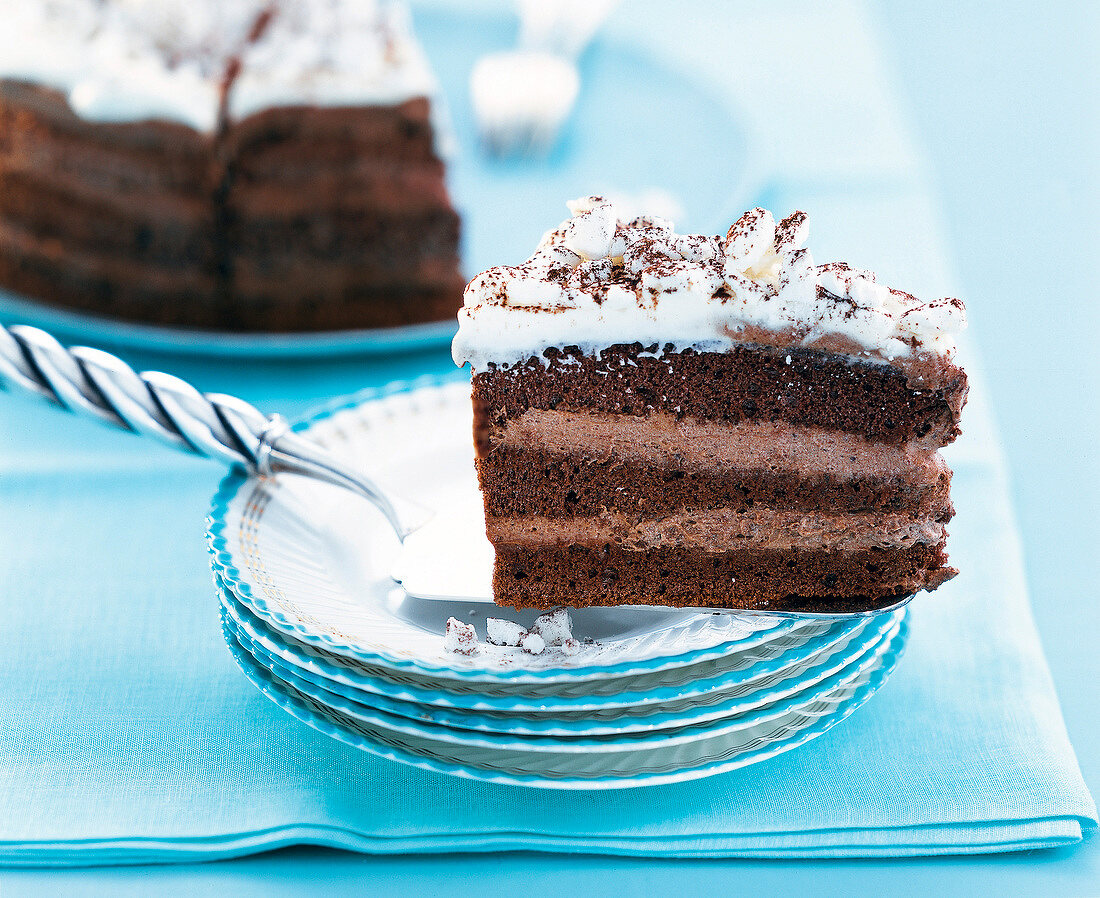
(518,481)
(816,388)
(112,217)
(821,581)
(665,440)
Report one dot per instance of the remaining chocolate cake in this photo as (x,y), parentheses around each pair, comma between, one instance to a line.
(250,165)
(688,420)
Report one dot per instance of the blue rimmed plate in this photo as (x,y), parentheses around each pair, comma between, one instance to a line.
(708,682)
(704,756)
(613,145)
(312,560)
(817,672)
(613,742)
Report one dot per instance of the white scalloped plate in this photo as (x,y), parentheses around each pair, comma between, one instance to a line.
(614,742)
(705,756)
(312,560)
(636,694)
(818,673)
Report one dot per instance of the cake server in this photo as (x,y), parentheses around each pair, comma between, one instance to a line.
(444,555)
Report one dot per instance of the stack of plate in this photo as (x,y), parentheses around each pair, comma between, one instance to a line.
(652,695)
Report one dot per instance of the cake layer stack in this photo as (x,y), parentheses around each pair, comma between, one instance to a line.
(338,214)
(252,166)
(685,420)
(336,209)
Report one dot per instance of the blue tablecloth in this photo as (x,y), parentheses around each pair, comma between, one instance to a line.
(127,733)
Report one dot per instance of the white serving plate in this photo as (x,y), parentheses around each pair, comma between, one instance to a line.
(634,694)
(686,760)
(312,561)
(819,673)
(608,743)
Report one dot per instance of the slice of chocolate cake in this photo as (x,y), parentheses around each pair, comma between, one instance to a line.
(251,165)
(687,420)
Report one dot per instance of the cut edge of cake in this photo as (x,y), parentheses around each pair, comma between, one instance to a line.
(716,421)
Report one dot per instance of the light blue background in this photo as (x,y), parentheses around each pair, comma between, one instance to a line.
(1004,101)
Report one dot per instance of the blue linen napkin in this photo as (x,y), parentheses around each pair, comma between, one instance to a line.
(127,734)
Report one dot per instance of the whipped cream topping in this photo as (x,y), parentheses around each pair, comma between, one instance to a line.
(332,53)
(598,280)
(133,60)
(126,60)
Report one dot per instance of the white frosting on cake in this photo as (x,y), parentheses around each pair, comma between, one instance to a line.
(598,280)
(129,60)
(133,60)
(332,53)
(47,42)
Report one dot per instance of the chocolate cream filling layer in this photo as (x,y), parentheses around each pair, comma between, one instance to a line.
(663,439)
(721,530)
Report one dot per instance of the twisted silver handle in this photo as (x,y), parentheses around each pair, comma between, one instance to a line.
(96,384)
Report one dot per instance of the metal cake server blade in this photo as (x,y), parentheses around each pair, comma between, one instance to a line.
(444,555)
(447,559)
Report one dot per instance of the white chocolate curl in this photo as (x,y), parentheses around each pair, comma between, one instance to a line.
(598,280)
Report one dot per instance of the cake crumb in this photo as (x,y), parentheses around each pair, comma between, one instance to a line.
(503,632)
(461,639)
(532,643)
(555,627)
